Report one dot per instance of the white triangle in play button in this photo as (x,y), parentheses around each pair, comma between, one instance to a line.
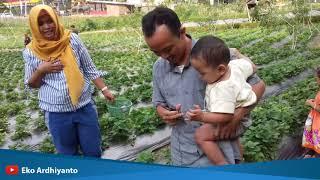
(11,169)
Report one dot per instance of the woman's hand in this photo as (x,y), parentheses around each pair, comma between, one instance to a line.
(50,67)
(108,95)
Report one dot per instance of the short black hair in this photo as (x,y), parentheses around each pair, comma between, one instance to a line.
(159,16)
(318,72)
(212,50)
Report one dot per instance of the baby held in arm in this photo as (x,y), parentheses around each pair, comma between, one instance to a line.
(226,90)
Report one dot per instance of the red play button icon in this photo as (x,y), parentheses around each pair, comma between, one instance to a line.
(12,169)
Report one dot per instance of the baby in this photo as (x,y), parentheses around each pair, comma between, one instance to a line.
(226,90)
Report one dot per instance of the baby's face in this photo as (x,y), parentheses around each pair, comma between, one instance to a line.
(207,72)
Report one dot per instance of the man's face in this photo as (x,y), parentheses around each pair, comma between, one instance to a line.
(167,45)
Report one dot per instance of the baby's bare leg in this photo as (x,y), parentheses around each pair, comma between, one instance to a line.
(204,138)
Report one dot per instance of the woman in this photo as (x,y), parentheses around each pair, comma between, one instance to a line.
(57,62)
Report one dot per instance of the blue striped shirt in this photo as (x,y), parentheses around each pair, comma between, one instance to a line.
(53,94)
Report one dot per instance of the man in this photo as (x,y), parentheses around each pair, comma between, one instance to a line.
(177,87)
(27,39)
(74,29)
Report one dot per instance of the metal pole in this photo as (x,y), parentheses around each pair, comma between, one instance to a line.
(25,8)
(20,7)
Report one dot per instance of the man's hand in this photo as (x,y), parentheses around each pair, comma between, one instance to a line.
(170,116)
(195,114)
(229,129)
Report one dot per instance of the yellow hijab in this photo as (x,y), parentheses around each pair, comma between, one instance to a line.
(61,49)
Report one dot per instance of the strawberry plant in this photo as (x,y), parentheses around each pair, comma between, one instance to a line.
(275,118)
(46,146)
(21,128)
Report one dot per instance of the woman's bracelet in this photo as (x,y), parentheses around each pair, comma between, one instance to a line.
(104,88)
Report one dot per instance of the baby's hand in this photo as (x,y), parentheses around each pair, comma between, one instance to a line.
(310,102)
(195,114)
